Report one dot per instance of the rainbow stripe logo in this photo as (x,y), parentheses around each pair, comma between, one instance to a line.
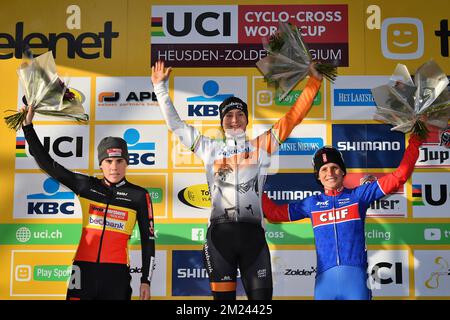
(417,195)
(157,29)
(20,147)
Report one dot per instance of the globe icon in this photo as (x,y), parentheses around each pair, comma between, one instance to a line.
(23,234)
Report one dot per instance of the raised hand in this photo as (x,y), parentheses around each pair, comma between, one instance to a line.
(158,72)
(30,115)
(313,71)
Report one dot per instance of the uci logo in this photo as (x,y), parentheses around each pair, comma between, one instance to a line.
(208,104)
(139,151)
(64,147)
(51,201)
(432,198)
(386,273)
(205,24)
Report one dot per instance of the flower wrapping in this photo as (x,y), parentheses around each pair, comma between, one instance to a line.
(45,92)
(411,106)
(288,60)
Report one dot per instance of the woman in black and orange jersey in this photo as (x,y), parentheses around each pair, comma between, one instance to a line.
(111,206)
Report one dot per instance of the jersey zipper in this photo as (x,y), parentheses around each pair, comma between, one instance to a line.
(338,262)
(104,227)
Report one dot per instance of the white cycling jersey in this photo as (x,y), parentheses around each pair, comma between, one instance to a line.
(236,166)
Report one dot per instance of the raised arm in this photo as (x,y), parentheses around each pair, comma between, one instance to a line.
(187,134)
(280,131)
(392,181)
(72,180)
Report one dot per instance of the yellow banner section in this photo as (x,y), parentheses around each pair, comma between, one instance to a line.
(40,273)
(408,32)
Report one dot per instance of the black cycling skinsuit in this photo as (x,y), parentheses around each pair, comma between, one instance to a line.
(235,171)
(101,264)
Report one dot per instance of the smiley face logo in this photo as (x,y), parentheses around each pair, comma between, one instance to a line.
(264,98)
(402,38)
(23,273)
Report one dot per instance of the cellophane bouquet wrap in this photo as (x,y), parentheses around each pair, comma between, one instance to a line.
(45,92)
(410,106)
(288,60)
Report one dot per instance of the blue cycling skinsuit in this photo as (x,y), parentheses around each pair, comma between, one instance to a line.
(337,217)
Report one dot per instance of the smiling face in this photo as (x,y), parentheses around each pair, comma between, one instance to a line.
(234,122)
(331,176)
(114,169)
(402,37)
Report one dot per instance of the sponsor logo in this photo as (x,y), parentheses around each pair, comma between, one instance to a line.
(20,147)
(75,45)
(322,203)
(112,213)
(287,195)
(23,234)
(421,193)
(196,196)
(187,36)
(194,24)
(402,38)
(23,273)
(443,33)
(141,154)
(443,270)
(51,201)
(369,145)
(110,224)
(353,97)
(300,272)
(427,154)
(285,187)
(320,218)
(265,98)
(198,273)
(262,273)
(445,138)
(433,152)
(189,275)
(52,272)
(207,258)
(432,234)
(300,146)
(208,104)
(198,234)
(133,98)
(64,147)
(392,275)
